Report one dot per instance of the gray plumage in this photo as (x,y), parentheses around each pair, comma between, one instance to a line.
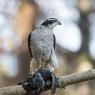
(41,44)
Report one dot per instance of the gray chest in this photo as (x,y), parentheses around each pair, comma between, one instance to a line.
(42,39)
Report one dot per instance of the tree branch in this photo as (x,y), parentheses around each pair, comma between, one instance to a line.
(62,82)
(76,78)
(12,90)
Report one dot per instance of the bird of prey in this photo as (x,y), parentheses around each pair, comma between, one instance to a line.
(41,43)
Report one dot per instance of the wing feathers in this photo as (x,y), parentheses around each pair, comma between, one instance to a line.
(29,44)
(54,41)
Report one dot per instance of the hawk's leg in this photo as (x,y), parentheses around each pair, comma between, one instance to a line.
(54,84)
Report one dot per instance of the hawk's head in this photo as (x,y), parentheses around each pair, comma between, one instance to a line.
(51,22)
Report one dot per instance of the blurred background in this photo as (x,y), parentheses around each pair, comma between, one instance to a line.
(75,38)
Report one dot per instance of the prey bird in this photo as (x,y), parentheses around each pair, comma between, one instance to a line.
(41,43)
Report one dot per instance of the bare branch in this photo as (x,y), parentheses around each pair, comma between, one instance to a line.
(76,78)
(62,82)
(12,90)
